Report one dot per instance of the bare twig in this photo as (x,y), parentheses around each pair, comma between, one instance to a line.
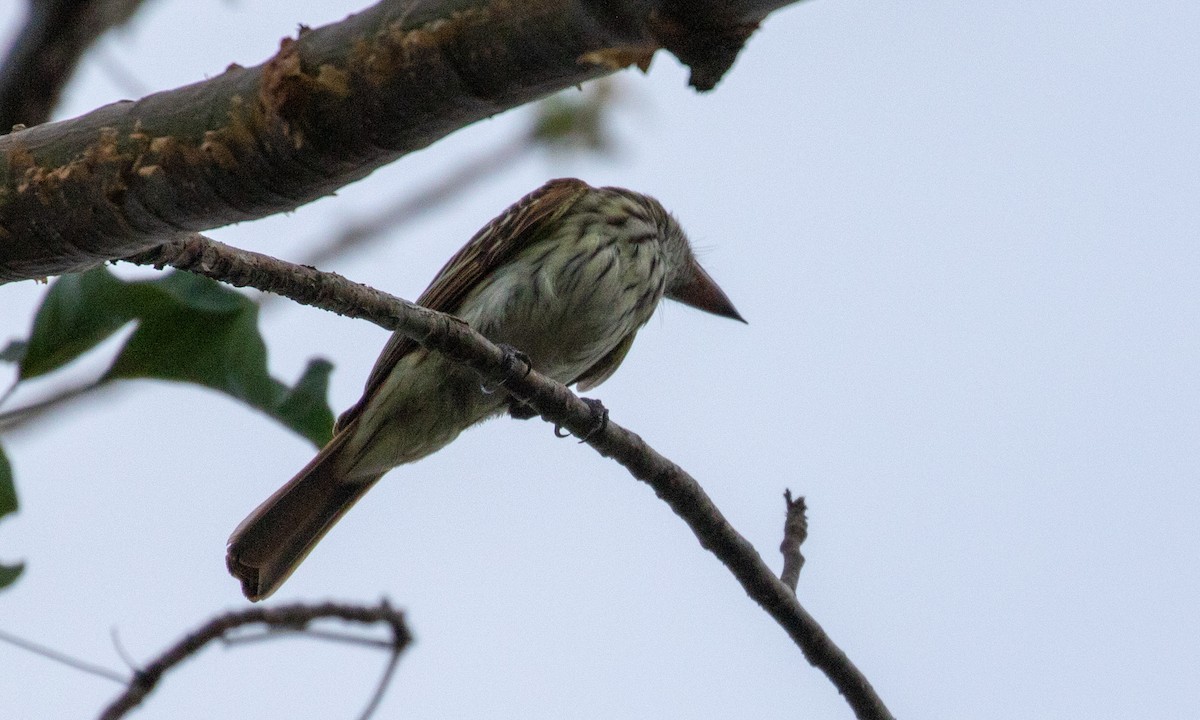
(121,76)
(384,680)
(20,416)
(4,396)
(274,634)
(556,404)
(795,532)
(121,651)
(285,616)
(63,658)
(357,234)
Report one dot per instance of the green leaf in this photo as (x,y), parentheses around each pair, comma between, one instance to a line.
(14,351)
(201,294)
(10,573)
(8,492)
(574,120)
(8,504)
(192,329)
(189,329)
(303,408)
(78,313)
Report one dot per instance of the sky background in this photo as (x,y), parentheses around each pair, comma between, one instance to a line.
(965,236)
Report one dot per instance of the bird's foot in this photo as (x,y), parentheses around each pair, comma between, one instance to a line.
(512,357)
(518,410)
(599,420)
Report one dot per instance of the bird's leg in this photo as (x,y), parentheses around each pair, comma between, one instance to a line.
(599,420)
(518,410)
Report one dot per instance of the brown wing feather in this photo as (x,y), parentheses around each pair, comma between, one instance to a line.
(605,366)
(517,227)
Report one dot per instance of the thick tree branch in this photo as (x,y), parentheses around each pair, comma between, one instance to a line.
(555,403)
(46,51)
(331,106)
(284,617)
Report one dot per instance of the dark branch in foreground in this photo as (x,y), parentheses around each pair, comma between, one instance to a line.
(556,404)
(285,617)
(46,51)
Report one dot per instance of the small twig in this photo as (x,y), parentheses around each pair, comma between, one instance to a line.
(125,80)
(18,417)
(795,532)
(284,616)
(122,652)
(4,396)
(63,658)
(384,680)
(556,404)
(357,235)
(388,670)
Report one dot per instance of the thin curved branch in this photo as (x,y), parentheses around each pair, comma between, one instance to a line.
(286,617)
(556,404)
(332,105)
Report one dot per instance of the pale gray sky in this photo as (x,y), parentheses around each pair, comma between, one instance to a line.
(965,238)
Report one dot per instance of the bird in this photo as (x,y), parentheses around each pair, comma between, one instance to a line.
(565,277)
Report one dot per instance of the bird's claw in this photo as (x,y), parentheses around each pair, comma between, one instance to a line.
(599,420)
(511,357)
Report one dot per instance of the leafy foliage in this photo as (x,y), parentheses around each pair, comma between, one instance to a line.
(189,329)
(576,121)
(8,504)
(13,351)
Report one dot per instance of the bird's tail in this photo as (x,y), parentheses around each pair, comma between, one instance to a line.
(274,539)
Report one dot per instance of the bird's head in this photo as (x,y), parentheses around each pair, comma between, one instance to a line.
(686,281)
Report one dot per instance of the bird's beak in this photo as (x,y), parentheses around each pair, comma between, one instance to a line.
(702,293)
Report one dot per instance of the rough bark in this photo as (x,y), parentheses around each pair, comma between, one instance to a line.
(332,105)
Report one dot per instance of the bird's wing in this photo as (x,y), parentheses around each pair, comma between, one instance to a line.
(605,366)
(517,227)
